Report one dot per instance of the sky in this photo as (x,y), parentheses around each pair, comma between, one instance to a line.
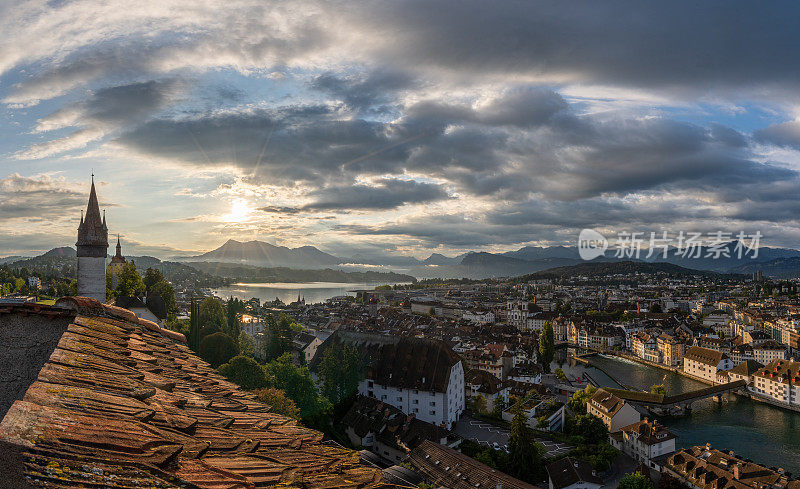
(397,128)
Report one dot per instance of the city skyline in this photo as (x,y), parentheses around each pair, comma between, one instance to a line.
(396,128)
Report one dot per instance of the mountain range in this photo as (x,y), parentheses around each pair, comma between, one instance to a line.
(774,262)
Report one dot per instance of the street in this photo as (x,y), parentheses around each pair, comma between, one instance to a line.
(488,434)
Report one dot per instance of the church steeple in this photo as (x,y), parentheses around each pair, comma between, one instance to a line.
(92,249)
(93,230)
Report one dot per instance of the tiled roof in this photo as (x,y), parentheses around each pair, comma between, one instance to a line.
(606,402)
(124,403)
(705,355)
(390,425)
(568,471)
(649,432)
(445,467)
(707,468)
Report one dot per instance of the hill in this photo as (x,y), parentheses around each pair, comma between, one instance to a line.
(596,269)
(777,268)
(268,255)
(254,274)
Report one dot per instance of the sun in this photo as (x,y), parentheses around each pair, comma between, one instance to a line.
(240,211)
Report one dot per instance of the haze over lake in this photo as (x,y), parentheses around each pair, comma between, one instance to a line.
(288,292)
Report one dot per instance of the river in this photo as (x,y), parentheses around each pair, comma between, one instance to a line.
(288,292)
(768,435)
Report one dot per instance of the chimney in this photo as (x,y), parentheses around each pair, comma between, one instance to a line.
(737,470)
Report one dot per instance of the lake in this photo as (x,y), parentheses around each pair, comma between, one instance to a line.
(288,292)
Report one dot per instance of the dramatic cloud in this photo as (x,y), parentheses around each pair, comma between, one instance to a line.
(37,197)
(464,124)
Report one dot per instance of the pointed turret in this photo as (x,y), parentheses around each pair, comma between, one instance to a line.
(93,230)
(92,247)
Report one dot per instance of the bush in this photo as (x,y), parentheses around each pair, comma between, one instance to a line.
(279,402)
(245,372)
(217,349)
(636,480)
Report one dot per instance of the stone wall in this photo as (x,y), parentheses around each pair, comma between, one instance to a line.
(92,277)
(26,343)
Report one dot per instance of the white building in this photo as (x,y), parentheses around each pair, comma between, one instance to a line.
(420,377)
(479,317)
(706,363)
(769,351)
(645,440)
(613,411)
(778,381)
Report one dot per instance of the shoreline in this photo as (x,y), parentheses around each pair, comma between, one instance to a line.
(746,393)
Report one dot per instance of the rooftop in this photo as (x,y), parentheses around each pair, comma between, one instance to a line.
(120,402)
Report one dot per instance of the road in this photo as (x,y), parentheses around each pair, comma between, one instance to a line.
(489,434)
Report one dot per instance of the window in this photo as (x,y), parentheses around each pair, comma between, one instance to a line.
(399,398)
(383,397)
(433,403)
(433,413)
(370,383)
(415,401)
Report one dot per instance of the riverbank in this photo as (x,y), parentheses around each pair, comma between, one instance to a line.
(759,430)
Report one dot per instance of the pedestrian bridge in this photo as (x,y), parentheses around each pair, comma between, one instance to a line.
(683,400)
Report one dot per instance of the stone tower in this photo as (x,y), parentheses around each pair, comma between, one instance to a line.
(92,250)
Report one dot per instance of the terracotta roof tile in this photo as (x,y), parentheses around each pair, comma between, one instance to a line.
(121,400)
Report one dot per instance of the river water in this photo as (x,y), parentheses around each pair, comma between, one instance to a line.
(768,435)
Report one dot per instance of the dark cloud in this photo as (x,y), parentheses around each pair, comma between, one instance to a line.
(129,103)
(676,46)
(389,193)
(786,135)
(33,197)
(519,144)
(372,92)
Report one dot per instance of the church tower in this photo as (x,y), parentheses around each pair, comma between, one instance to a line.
(92,250)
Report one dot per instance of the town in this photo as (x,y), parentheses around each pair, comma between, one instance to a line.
(447,381)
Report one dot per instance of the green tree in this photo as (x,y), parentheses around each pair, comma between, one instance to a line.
(340,371)
(130,283)
(525,455)
(233,310)
(167,292)
(499,407)
(217,349)
(298,385)
(279,333)
(658,389)
(247,346)
(478,404)
(577,403)
(590,427)
(278,401)
(560,374)
(636,480)
(152,276)
(245,372)
(211,316)
(547,347)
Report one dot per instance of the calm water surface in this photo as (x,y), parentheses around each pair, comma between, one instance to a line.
(287,292)
(765,434)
